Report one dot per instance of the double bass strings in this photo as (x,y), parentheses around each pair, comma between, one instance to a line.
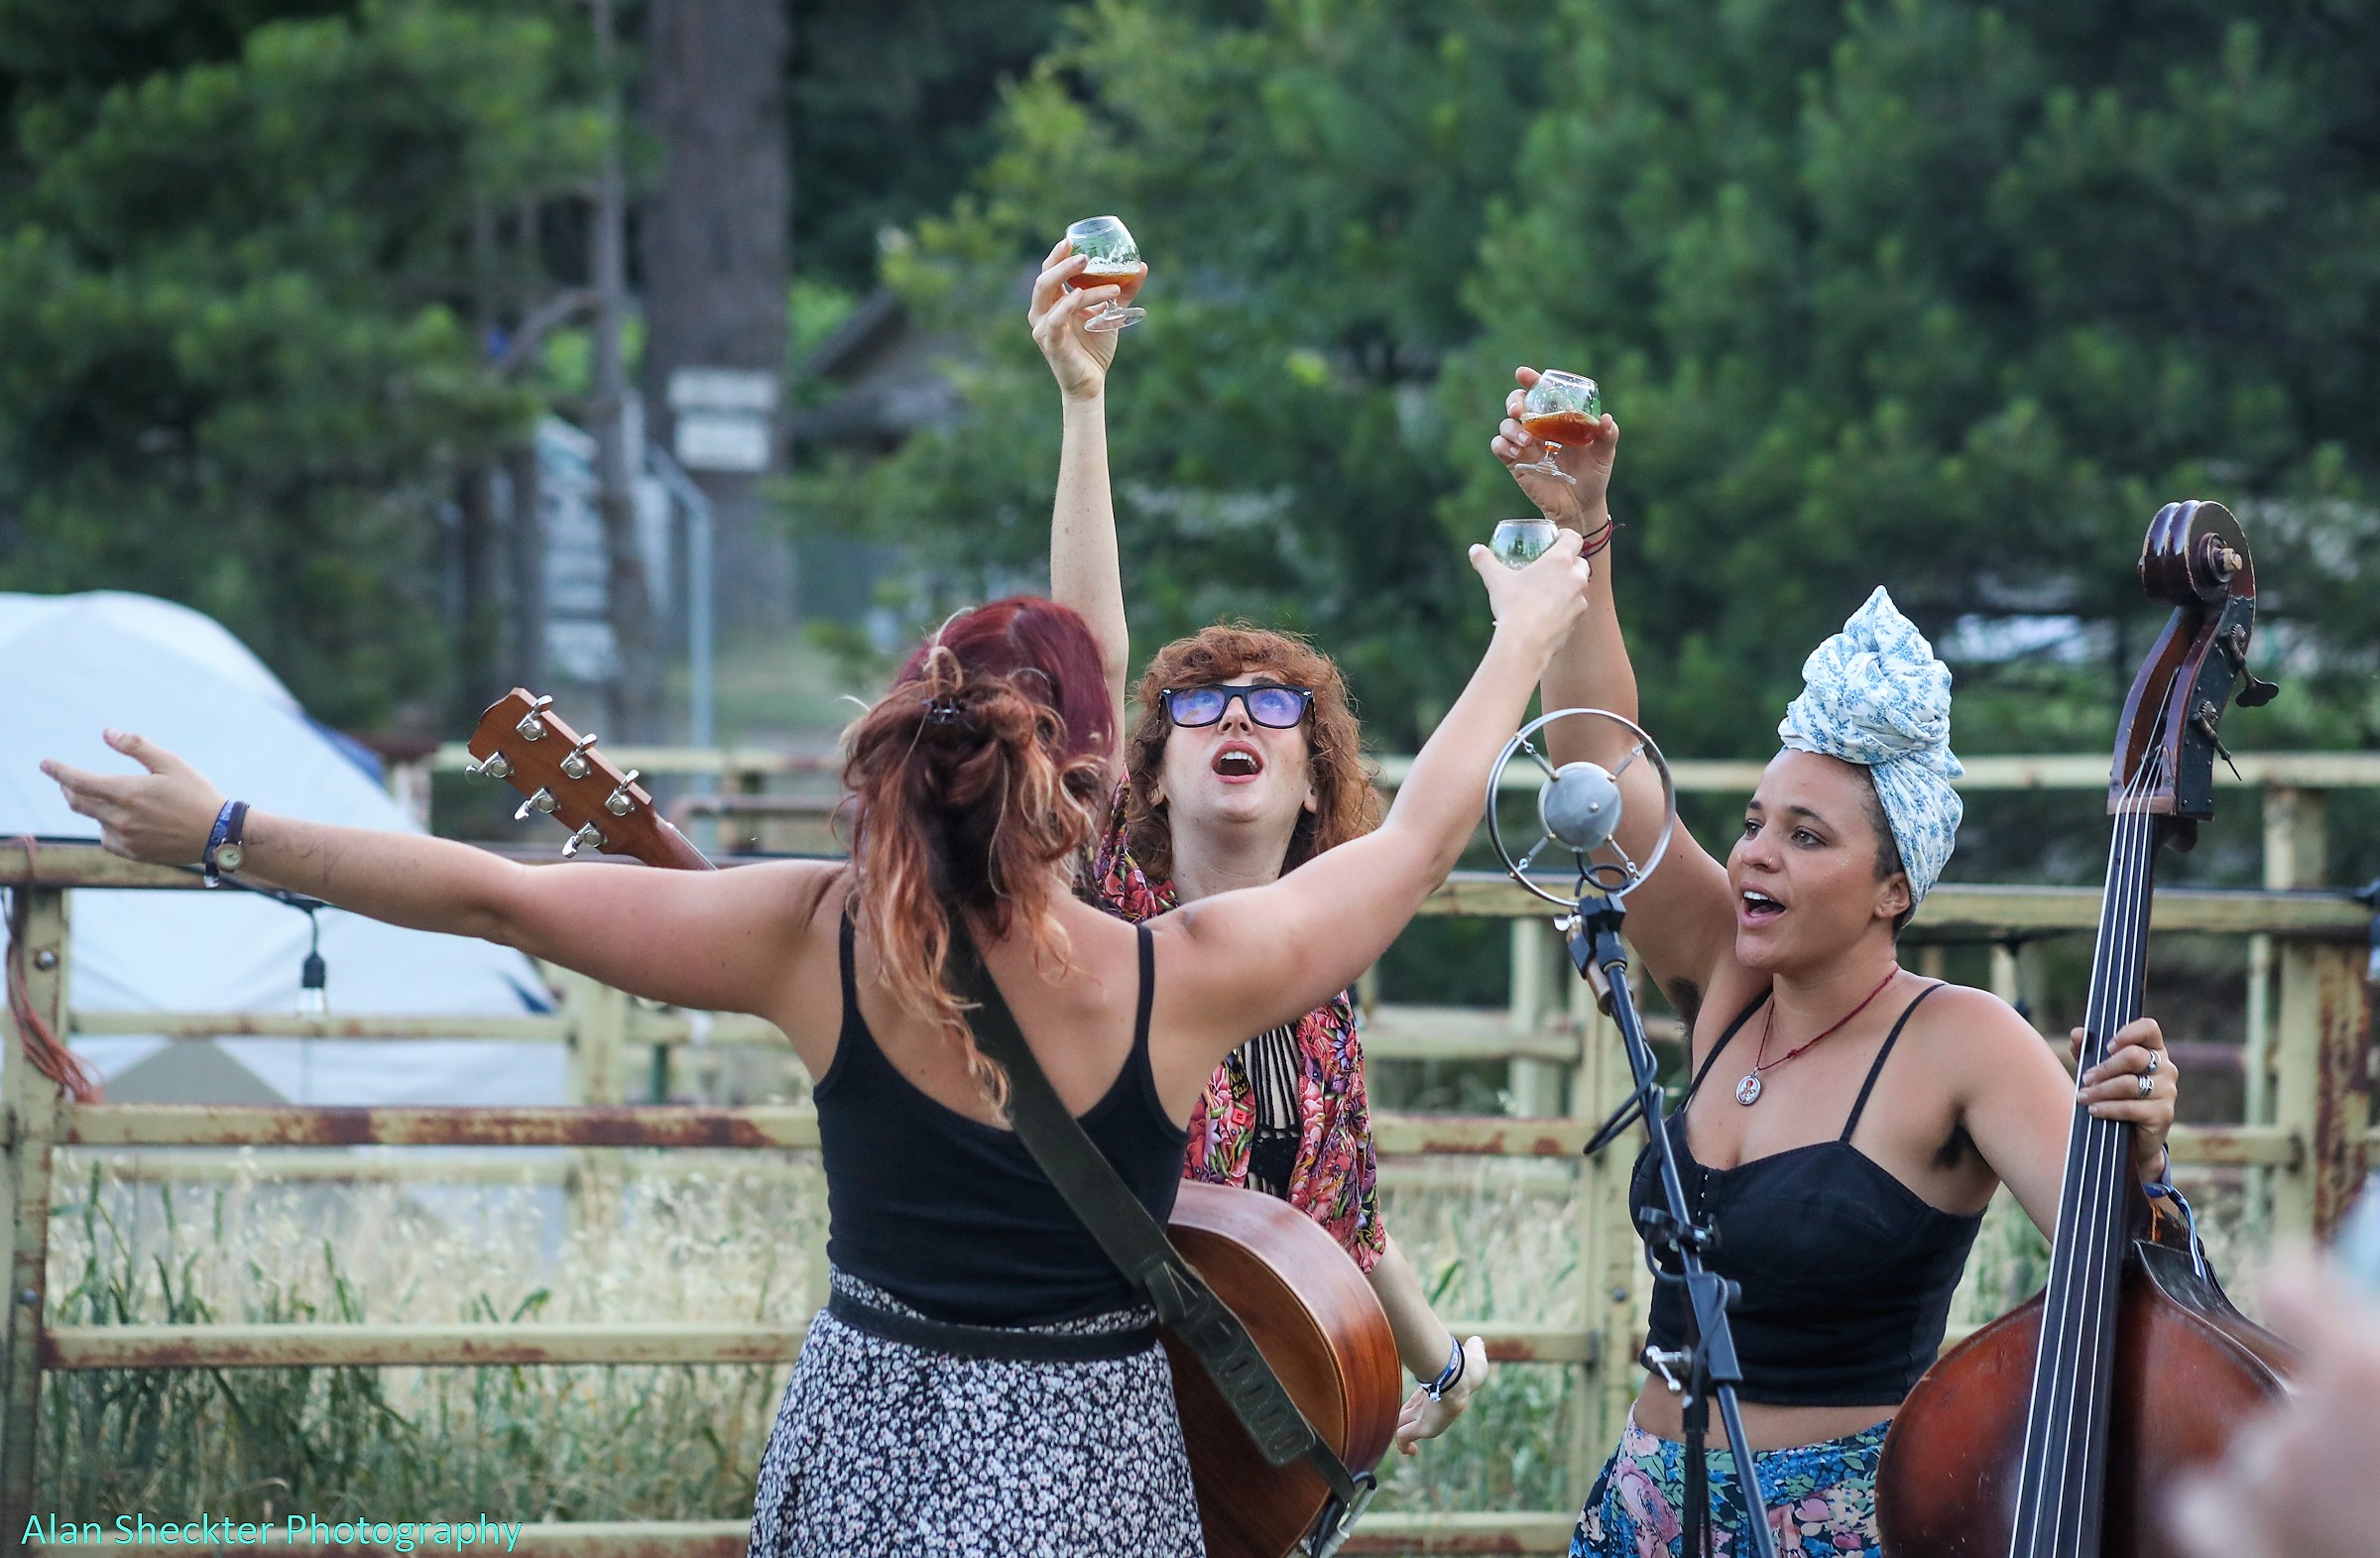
(2082,1311)
(2070,1317)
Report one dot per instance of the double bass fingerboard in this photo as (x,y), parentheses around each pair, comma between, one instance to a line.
(2058,1511)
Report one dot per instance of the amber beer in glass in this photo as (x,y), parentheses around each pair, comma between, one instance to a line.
(1114,261)
(1560,408)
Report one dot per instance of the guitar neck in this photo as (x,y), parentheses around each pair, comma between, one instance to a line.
(664,846)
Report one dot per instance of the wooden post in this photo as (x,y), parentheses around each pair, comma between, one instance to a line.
(2323,1095)
(1616,1287)
(1534,1086)
(29,1102)
(599,1022)
(2287,1058)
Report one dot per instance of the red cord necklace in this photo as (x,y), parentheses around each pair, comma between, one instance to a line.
(1747,1090)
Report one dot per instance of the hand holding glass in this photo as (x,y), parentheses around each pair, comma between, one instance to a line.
(1114,261)
(1560,408)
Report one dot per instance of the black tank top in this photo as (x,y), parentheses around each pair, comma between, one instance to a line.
(953,1216)
(1846,1273)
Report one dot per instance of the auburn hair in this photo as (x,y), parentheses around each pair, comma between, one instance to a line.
(971,787)
(1346,805)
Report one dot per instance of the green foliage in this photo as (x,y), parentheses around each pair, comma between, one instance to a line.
(1951,298)
(235,281)
(1913,292)
(891,109)
(1310,184)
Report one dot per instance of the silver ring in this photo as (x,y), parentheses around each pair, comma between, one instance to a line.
(2156,1059)
(2147,1085)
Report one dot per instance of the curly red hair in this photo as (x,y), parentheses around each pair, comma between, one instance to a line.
(1346,805)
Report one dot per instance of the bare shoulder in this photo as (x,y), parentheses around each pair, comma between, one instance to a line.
(1982,1045)
(815,891)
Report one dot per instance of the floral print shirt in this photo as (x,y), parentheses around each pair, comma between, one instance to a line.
(1336,1179)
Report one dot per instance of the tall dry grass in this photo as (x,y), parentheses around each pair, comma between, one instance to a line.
(652,1237)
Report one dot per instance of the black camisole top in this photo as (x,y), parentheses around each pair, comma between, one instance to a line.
(953,1216)
(1845,1272)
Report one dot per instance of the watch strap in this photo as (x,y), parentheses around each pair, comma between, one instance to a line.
(229,822)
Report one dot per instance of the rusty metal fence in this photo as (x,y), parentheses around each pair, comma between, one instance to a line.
(2306,1139)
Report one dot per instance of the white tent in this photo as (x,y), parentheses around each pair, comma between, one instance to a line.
(70,665)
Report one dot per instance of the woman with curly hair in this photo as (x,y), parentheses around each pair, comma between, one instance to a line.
(1243,761)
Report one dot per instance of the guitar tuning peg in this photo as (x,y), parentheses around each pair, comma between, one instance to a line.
(532,724)
(619,802)
(543,800)
(575,764)
(494,766)
(587,835)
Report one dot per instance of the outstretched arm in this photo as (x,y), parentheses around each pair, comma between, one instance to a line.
(715,941)
(1682,920)
(1084,569)
(1256,957)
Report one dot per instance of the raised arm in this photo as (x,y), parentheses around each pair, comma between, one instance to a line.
(1245,961)
(1682,920)
(1084,569)
(715,941)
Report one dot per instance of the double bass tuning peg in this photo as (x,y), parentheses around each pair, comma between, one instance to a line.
(2258,692)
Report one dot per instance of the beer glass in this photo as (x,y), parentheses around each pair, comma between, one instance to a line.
(1519,543)
(1114,261)
(1560,408)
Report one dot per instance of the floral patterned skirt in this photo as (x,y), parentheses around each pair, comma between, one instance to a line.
(1822,1498)
(887,1449)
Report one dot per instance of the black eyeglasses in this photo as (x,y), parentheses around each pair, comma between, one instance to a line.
(1269,704)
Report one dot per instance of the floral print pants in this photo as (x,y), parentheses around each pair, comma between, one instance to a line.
(1822,1498)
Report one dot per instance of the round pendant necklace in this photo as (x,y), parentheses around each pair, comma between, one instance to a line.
(1747,1090)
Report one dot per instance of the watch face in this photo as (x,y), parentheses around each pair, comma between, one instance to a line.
(228,858)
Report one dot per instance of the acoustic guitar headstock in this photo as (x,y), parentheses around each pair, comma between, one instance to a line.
(2196,557)
(522,741)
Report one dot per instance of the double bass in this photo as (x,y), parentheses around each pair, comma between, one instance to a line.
(2056,1431)
(1304,1303)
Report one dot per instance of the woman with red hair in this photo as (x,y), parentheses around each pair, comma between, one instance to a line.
(1245,761)
(983,1380)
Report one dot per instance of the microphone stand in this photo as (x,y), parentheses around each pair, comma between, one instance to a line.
(1712,1369)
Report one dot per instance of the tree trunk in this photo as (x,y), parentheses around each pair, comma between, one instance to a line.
(714,245)
(637,688)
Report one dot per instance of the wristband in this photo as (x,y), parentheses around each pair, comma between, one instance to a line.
(1450,1375)
(1597,541)
(224,848)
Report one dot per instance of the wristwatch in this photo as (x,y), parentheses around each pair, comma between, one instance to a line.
(224,851)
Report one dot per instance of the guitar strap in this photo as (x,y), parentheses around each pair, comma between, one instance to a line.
(1137,1243)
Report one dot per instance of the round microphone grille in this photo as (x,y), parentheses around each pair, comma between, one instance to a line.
(1579,805)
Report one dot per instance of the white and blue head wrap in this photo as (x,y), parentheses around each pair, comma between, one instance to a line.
(1874,694)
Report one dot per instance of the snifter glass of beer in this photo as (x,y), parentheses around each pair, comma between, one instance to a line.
(1519,543)
(1560,408)
(1114,261)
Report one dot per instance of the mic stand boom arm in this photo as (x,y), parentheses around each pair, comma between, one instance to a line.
(1712,1367)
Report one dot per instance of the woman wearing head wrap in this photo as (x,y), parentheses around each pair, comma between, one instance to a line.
(1848,1120)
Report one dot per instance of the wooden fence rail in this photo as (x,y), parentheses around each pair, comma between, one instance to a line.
(2304,1141)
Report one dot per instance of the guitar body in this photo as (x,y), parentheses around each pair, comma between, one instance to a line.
(1315,1319)
(2189,1370)
(1305,1305)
